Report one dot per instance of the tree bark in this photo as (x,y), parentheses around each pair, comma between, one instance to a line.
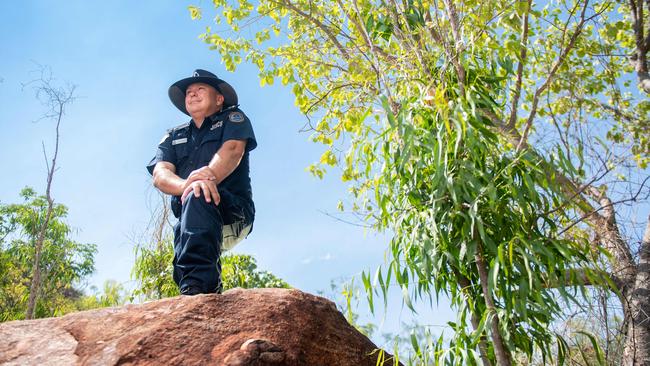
(640,59)
(501,352)
(35,284)
(482,345)
(637,344)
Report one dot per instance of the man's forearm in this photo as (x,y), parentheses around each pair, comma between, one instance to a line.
(226,160)
(168,182)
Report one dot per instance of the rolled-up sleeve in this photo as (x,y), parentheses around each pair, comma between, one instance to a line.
(165,152)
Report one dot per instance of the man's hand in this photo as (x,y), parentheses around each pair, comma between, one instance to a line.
(203,173)
(208,187)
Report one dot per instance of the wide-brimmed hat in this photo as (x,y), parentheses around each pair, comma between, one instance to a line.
(177,90)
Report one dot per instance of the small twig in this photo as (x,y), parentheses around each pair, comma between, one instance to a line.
(317,23)
(551,75)
(344,221)
(604,207)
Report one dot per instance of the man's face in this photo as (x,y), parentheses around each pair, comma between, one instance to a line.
(202,99)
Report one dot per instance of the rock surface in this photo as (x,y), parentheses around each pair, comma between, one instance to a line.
(238,328)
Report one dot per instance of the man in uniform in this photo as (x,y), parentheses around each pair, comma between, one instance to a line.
(203,164)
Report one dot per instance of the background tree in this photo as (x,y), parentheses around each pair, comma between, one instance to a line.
(55,99)
(502,142)
(64,263)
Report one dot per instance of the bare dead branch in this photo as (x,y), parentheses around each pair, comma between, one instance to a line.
(56,99)
(345,221)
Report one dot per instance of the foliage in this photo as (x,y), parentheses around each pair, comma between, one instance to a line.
(112,293)
(64,263)
(476,133)
(153,270)
(347,299)
(240,270)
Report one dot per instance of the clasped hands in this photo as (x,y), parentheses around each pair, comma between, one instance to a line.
(202,180)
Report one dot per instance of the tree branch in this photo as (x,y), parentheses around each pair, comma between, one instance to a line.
(607,231)
(551,76)
(578,277)
(318,24)
(617,112)
(500,350)
(520,69)
(455,30)
(482,343)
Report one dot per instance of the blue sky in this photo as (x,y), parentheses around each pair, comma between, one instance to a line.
(123,55)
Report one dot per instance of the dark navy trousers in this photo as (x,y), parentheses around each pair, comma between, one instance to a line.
(197,245)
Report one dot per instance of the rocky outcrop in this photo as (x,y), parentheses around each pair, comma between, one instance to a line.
(237,328)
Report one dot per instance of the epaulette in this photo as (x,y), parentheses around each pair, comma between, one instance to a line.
(231,108)
(225,112)
(179,127)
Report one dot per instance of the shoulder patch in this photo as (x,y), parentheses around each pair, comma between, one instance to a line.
(236,117)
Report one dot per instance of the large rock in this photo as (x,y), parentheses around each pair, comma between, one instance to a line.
(240,327)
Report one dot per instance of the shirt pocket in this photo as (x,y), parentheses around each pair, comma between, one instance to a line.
(182,154)
(209,146)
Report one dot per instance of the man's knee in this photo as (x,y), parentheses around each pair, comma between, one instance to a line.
(198,210)
(191,199)
(194,202)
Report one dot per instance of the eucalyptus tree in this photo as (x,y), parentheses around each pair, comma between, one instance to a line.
(504,143)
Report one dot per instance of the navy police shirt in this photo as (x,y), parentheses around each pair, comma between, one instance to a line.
(190,148)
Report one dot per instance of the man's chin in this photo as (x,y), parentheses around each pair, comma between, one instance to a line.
(192,109)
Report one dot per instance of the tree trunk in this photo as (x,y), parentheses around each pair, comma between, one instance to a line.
(34,287)
(35,284)
(482,344)
(637,340)
(500,350)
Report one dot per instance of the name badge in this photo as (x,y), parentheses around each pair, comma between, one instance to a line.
(179,141)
